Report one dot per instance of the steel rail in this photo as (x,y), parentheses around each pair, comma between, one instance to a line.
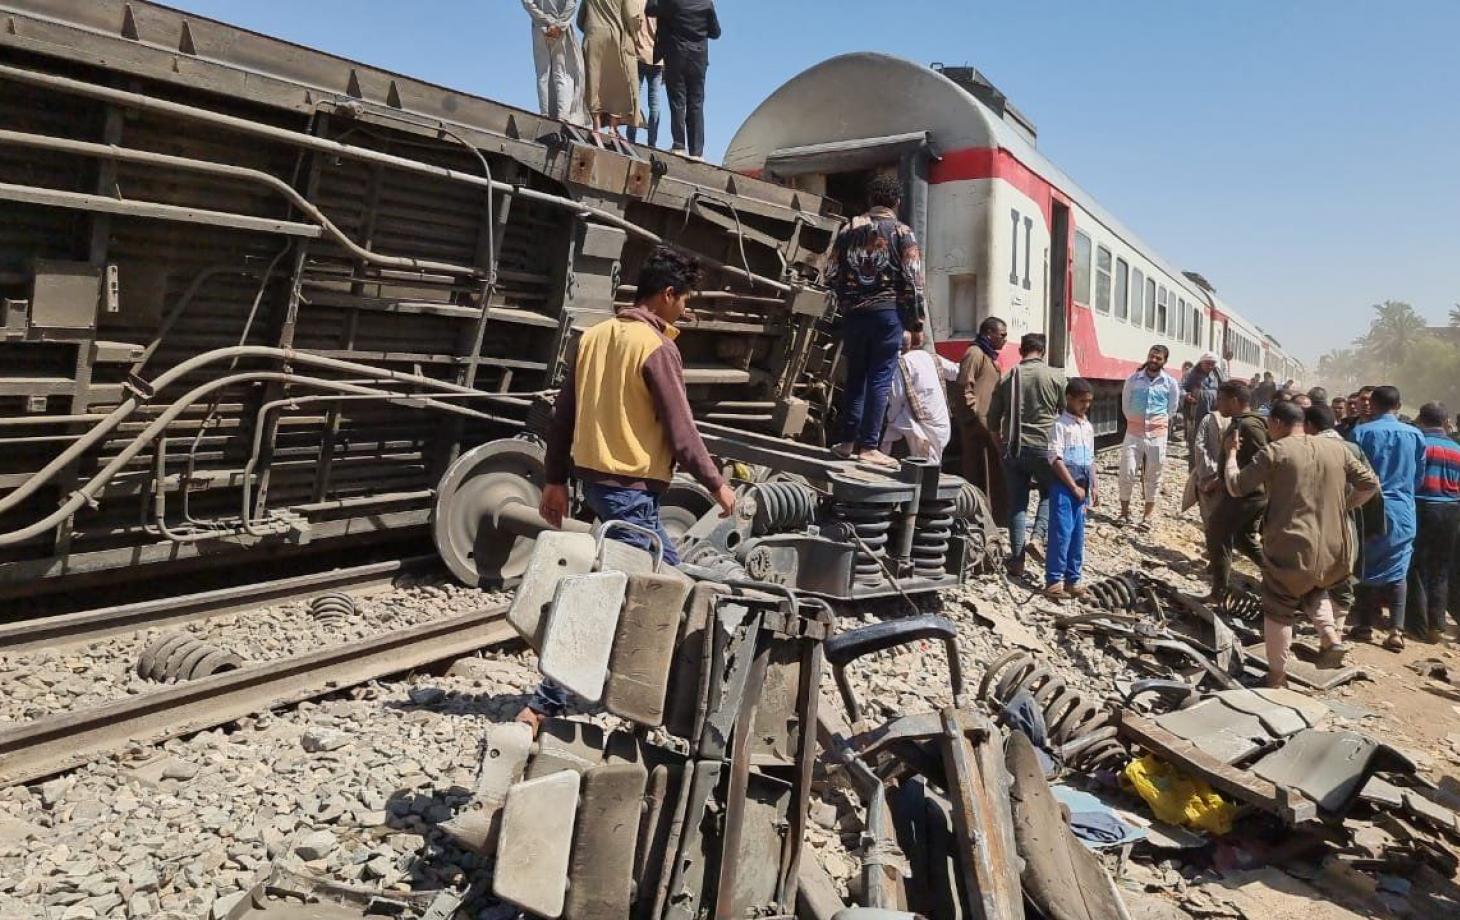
(61,742)
(82,627)
(131,100)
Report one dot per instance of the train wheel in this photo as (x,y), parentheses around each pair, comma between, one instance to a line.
(478,485)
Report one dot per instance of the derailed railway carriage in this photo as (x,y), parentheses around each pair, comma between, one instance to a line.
(1004,231)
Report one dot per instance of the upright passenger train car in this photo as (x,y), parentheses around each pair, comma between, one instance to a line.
(1005,233)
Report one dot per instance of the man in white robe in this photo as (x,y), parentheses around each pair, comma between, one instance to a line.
(559,59)
(917,408)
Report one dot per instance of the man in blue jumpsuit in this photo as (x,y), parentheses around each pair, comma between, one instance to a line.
(1397,453)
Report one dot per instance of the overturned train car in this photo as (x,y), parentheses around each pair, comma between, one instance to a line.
(255,299)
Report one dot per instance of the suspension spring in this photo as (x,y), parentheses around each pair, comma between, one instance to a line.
(873,525)
(782,506)
(175,657)
(332,608)
(1122,592)
(934,529)
(1243,605)
(1080,731)
(970,502)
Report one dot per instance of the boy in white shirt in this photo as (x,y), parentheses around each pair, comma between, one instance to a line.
(1072,456)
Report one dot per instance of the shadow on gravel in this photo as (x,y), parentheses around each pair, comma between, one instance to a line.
(497,707)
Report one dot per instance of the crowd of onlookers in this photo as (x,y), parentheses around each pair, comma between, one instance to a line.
(601,63)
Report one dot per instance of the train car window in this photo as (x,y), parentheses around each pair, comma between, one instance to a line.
(1122,289)
(1082,268)
(1162,302)
(1137,285)
(1014,246)
(1180,319)
(1150,303)
(1102,279)
(1028,247)
(1196,326)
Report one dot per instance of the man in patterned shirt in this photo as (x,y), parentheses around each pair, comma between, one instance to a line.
(876,275)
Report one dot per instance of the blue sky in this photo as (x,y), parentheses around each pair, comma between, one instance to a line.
(1301,155)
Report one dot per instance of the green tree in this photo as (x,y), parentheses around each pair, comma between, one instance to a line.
(1340,371)
(1393,335)
(1455,315)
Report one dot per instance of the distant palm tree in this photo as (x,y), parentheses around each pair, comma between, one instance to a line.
(1393,334)
(1340,370)
(1455,315)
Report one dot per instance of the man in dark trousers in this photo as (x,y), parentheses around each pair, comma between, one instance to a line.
(876,275)
(1236,520)
(686,28)
(1026,403)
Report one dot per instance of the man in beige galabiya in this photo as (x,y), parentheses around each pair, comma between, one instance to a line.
(1307,545)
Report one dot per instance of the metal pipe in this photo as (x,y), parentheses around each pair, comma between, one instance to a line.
(87,493)
(131,100)
(81,201)
(124,410)
(126,154)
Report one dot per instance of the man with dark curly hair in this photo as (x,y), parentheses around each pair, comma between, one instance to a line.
(876,275)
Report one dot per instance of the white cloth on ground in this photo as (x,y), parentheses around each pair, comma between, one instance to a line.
(917,407)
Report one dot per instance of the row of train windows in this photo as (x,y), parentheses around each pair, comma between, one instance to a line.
(1131,296)
(1242,348)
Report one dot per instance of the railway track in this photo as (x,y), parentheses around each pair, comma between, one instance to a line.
(57,743)
(72,629)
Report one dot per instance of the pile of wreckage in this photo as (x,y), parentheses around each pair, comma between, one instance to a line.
(1021,797)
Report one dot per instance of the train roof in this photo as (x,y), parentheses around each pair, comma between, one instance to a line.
(871,94)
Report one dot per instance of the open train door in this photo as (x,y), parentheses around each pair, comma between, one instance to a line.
(840,170)
(1058,319)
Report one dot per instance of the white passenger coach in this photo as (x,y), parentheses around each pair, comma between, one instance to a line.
(1005,232)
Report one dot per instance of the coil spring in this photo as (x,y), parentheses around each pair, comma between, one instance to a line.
(873,524)
(934,529)
(333,607)
(1080,731)
(781,506)
(1121,592)
(969,504)
(1243,605)
(179,656)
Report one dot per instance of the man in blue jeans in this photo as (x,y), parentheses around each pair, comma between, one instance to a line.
(1026,403)
(876,275)
(622,424)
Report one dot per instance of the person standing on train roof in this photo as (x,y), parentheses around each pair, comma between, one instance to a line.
(1025,405)
(1151,398)
(978,375)
(1307,545)
(558,58)
(651,78)
(875,275)
(1397,453)
(622,424)
(686,28)
(611,90)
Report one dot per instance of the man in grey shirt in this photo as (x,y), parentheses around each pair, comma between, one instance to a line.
(1025,405)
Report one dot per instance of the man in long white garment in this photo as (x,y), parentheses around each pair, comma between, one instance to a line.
(917,408)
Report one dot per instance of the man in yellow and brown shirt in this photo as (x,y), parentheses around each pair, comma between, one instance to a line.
(622,421)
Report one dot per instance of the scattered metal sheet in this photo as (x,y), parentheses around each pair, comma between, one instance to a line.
(1283,712)
(504,760)
(1303,672)
(536,843)
(1218,730)
(601,870)
(1242,785)
(566,744)
(555,556)
(1328,767)
(1061,876)
(578,641)
(286,894)
(643,647)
